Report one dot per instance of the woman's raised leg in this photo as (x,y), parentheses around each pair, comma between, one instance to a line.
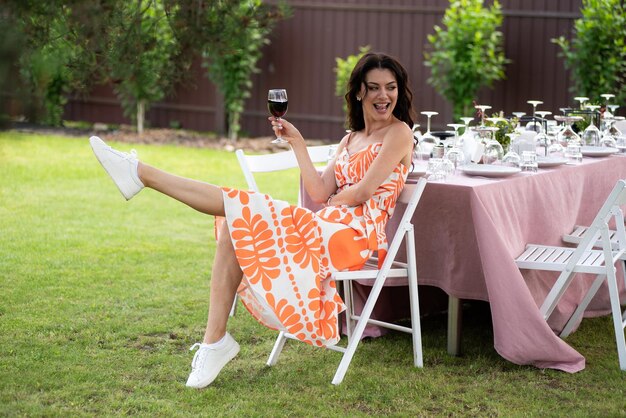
(203,197)
(130,176)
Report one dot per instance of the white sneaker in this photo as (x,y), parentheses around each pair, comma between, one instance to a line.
(121,166)
(208,362)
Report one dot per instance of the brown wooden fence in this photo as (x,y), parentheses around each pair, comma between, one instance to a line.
(301,58)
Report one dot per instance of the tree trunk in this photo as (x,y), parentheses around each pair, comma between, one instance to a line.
(233,127)
(141,113)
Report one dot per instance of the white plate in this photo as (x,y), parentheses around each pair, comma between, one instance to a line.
(550,161)
(597,151)
(488,170)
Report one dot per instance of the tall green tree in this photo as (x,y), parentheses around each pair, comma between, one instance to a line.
(232,58)
(140,51)
(596,55)
(467,53)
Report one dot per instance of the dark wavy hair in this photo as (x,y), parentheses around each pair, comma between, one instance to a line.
(404,107)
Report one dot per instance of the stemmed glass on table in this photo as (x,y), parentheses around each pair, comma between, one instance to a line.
(610,134)
(532,126)
(427,140)
(277,105)
(591,134)
(455,153)
(482,109)
(570,138)
(608,97)
(582,101)
(512,158)
(493,149)
(542,139)
(519,116)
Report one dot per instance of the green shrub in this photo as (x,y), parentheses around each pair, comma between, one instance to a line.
(468,54)
(343,69)
(597,53)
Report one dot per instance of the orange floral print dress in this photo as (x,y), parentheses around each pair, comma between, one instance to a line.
(287,253)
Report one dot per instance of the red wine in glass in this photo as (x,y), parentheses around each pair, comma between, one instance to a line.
(277,105)
(277,109)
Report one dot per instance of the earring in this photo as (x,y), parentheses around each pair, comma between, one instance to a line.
(358,98)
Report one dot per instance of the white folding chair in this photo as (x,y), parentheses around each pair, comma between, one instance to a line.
(265,163)
(389,268)
(585,259)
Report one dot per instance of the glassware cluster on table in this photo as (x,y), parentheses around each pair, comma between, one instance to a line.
(535,141)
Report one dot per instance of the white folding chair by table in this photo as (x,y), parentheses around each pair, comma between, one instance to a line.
(585,259)
(265,163)
(389,268)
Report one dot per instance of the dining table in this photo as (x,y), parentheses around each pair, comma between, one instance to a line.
(470,228)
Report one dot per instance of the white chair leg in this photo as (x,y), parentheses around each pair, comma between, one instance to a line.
(278,348)
(580,309)
(233,309)
(349,302)
(618,323)
(353,342)
(556,293)
(416,333)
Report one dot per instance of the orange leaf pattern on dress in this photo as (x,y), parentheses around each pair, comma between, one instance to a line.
(254,249)
(303,243)
(287,253)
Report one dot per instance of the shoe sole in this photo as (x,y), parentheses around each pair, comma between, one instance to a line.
(232,353)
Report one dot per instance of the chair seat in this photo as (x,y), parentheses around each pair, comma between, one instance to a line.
(576,236)
(369,271)
(555,259)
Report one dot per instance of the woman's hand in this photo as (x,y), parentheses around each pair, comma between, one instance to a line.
(286,130)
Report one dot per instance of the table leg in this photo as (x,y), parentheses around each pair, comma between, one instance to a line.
(454,326)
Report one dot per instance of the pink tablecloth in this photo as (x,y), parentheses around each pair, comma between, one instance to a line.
(469,230)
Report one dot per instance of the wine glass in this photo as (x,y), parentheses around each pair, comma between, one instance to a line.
(541,138)
(512,158)
(455,153)
(277,105)
(519,116)
(582,101)
(567,135)
(542,114)
(532,126)
(607,97)
(493,150)
(428,140)
(591,134)
(482,109)
(609,136)
(466,121)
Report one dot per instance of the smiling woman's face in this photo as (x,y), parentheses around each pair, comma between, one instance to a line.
(381,95)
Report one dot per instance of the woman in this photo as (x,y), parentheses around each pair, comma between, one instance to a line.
(279,257)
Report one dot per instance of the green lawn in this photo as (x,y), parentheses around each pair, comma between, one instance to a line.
(100,300)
